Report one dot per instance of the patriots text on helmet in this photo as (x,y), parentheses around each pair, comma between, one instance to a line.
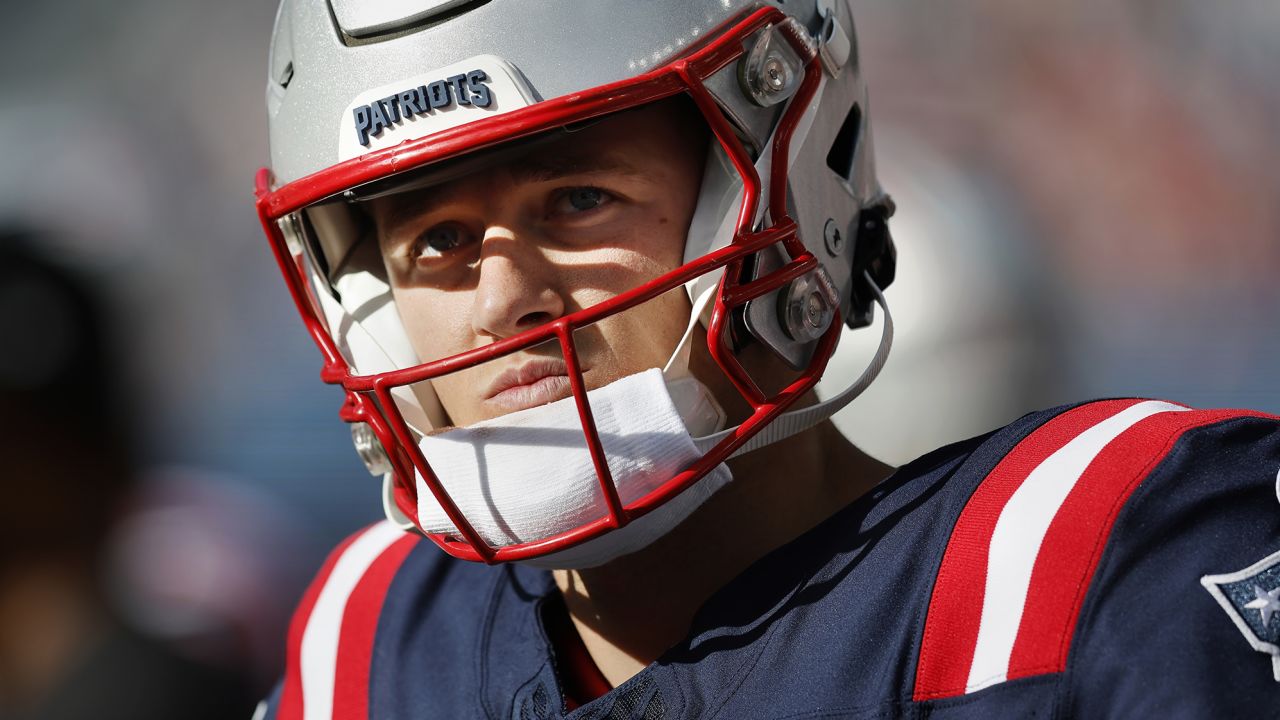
(470,88)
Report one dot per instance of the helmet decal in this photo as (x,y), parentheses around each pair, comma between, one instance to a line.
(429,102)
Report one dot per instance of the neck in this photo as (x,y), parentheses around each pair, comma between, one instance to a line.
(633,609)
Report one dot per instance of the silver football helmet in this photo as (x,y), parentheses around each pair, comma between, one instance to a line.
(788,240)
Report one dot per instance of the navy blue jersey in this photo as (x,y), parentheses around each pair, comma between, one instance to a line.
(1115,559)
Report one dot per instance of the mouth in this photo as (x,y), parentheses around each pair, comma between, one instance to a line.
(537,382)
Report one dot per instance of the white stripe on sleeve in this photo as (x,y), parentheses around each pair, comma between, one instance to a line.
(320,639)
(1020,530)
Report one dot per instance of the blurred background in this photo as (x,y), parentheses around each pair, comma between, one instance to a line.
(1089,205)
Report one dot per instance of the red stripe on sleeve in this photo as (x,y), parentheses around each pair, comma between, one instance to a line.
(1075,540)
(291,694)
(955,607)
(359,625)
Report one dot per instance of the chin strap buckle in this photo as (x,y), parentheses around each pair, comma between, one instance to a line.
(875,255)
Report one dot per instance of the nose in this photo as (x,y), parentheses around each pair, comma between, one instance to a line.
(518,287)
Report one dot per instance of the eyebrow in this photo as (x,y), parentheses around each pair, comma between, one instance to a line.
(404,209)
(538,168)
(554,167)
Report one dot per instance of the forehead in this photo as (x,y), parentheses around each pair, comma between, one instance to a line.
(641,144)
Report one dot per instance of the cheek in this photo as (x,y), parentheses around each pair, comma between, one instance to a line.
(438,326)
(436,322)
(621,261)
(644,336)
(635,340)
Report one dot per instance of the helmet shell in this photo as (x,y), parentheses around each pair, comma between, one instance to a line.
(317,67)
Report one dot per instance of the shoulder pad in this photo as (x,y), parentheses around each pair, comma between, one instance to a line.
(1023,551)
(330,641)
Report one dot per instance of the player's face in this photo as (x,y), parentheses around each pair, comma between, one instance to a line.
(511,247)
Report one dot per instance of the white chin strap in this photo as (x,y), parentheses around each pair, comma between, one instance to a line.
(496,471)
(706,428)
(794,422)
(643,531)
(528,475)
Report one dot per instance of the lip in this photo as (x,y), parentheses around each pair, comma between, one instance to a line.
(536,382)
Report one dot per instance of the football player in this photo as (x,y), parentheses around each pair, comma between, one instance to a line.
(577,267)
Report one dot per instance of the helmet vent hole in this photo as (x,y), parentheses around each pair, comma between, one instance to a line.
(840,156)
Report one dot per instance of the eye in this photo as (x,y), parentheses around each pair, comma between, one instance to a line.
(579,200)
(586,198)
(439,240)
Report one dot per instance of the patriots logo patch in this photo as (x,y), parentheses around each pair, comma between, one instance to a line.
(427,102)
(1251,598)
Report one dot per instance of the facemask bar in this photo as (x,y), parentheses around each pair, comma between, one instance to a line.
(370,398)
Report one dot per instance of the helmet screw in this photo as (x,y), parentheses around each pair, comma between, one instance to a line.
(772,68)
(834,240)
(815,312)
(809,307)
(370,450)
(774,74)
